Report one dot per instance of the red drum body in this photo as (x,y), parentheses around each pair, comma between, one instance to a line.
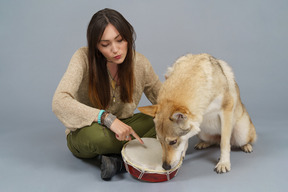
(145,161)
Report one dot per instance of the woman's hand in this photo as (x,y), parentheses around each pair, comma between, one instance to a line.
(123,132)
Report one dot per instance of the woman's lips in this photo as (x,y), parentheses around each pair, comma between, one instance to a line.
(117,57)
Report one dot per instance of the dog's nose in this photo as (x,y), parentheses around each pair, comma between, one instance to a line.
(166,166)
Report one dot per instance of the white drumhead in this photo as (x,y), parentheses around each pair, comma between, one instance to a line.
(147,156)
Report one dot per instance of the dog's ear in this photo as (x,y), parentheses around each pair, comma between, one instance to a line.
(184,118)
(180,118)
(179,114)
(149,110)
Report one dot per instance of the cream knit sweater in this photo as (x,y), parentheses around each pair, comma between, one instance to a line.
(71,104)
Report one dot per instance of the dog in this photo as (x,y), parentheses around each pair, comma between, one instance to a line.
(200,97)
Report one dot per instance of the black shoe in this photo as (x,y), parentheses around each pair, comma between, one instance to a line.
(110,166)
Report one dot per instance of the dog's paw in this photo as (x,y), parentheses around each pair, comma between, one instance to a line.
(223,167)
(202,145)
(247,148)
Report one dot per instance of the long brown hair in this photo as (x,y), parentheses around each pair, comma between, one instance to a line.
(99,86)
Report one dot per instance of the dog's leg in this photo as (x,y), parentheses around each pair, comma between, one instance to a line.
(224,165)
(207,140)
(202,145)
(210,132)
(244,133)
(247,148)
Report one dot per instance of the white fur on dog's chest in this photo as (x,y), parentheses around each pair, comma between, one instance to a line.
(211,120)
(215,105)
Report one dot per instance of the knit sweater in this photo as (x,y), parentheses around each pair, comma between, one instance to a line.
(71,103)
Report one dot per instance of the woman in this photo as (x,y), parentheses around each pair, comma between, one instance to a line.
(99,92)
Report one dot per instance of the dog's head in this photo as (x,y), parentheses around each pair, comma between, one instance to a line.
(174,126)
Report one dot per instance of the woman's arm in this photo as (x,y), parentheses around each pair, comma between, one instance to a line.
(71,112)
(152,84)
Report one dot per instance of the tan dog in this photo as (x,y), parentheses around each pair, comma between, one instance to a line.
(200,96)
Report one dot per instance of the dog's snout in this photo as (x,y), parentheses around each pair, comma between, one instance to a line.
(166,166)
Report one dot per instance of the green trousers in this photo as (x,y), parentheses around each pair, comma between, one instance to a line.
(90,141)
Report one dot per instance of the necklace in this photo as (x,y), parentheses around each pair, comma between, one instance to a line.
(113,85)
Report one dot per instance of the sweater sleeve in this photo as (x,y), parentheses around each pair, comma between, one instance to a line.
(152,84)
(72,113)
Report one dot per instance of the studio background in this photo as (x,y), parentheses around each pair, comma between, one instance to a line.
(38,39)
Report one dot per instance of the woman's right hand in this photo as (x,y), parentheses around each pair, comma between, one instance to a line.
(123,132)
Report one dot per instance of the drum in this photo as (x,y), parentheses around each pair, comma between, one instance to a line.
(145,161)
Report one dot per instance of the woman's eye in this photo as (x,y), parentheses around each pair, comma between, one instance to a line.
(104,45)
(173,142)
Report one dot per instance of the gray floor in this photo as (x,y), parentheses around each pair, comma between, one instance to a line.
(35,158)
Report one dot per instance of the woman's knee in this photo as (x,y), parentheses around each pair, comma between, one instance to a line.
(96,139)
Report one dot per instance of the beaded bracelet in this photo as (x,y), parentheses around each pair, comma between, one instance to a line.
(103,117)
(99,116)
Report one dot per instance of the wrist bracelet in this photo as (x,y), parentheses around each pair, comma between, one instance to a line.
(103,117)
(109,120)
(99,116)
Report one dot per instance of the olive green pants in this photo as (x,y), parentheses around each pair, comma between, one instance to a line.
(90,141)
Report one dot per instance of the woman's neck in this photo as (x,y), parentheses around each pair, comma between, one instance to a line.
(113,69)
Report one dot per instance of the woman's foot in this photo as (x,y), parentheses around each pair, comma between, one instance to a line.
(110,166)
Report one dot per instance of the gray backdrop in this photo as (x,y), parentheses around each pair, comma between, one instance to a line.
(38,39)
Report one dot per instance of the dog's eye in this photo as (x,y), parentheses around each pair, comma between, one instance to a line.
(173,142)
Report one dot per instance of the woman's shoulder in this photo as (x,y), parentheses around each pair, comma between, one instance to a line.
(140,56)
(141,60)
(80,58)
(82,51)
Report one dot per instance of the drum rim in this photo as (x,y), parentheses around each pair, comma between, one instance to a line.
(149,170)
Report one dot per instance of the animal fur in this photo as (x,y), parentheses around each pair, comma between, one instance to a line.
(200,97)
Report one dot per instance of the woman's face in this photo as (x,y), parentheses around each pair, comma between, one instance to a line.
(112,45)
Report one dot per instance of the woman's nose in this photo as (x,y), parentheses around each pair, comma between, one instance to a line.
(114,48)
